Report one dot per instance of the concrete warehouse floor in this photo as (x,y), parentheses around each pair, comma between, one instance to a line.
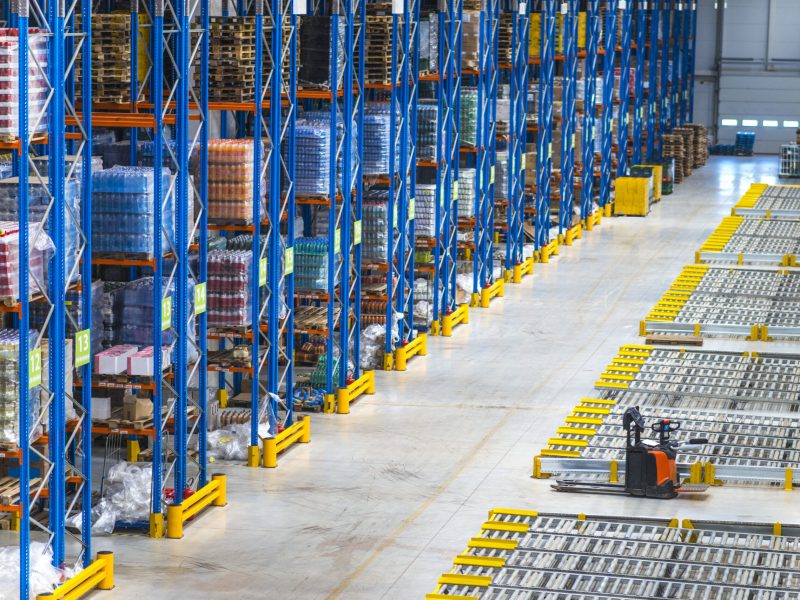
(382,500)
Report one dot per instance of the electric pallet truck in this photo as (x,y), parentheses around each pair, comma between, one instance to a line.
(650,467)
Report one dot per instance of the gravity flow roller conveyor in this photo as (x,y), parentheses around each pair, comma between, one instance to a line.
(701,379)
(523,554)
(758,304)
(770,201)
(760,241)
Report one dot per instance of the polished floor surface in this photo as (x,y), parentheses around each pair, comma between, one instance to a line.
(382,500)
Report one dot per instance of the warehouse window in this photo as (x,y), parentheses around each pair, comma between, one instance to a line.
(769,123)
(730,122)
(791,124)
(749,123)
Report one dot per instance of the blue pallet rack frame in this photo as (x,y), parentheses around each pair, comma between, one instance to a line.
(623,114)
(515,264)
(609,49)
(569,11)
(590,113)
(349,388)
(446,311)
(639,93)
(402,184)
(170,53)
(271,330)
(344,205)
(665,85)
(484,286)
(675,42)
(692,51)
(69,449)
(544,150)
(654,88)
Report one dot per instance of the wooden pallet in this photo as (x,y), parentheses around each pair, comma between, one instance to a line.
(10,490)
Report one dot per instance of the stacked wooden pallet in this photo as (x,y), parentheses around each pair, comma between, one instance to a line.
(688,148)
(378,61)
(111,58)
(231,59)
(674,147)
(700,146)
(504,55)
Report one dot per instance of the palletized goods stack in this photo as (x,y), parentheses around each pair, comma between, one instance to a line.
(38,89)
(378,61)
(673,147)
(230,181)
(231,59)
(700,147)
(688,148)
(111,58)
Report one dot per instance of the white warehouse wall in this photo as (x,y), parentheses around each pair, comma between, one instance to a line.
(759,69)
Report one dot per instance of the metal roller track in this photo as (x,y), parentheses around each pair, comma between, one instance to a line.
(770,201)
(674,378)
(766,242)
(741,448)
(711,301)
(524,555)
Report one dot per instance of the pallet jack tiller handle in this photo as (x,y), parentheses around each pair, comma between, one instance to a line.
(633,419)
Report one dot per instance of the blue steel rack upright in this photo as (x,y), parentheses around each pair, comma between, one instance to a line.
(566,210)
(654,88)
(343,204)
(692,54)
(516,266)
(639,93)
(665,85)
(623,114)
(589,217)
(447,313)
(181,417)
(485,286)
(65,476)
(544,150)
(687,68)
(271,328)
(677,58)
(402,188)
(607,143)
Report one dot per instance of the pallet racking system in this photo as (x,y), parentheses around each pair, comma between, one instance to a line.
(177,119)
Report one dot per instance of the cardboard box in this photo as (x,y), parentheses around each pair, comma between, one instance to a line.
(141,363)
(101,408)
(136,409)
(114,360)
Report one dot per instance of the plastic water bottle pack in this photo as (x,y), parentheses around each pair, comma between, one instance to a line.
(123,210)
(466,193)
(9,386)
(229,283)
(427,122)
(231,180)
(311,264)
(40,251)
(424,211)
(469,116)
(74,307)
(38,201)
(313,145)
(38,89)
(133,314)
(375,225)
(377,138)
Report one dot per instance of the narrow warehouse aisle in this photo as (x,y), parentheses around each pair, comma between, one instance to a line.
(381,500)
